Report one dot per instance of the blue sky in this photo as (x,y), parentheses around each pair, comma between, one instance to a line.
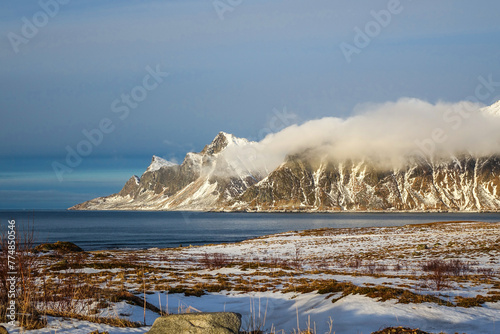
(227,71)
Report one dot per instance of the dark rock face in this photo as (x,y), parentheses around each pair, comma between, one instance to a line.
(169,180)
(218,144)
(198,323)
(131,187)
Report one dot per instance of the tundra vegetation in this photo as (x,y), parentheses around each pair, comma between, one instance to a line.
(438,263)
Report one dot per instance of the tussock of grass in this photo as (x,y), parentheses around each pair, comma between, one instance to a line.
(476,301)
(400,330)
(65,265)
(30,319)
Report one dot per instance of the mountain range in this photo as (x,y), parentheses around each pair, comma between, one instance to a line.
(212,180)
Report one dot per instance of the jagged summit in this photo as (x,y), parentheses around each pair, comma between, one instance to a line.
(158,162)
(221,141)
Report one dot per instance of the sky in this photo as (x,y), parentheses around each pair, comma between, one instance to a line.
(90,90)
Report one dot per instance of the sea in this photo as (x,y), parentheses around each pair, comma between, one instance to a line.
(102,230)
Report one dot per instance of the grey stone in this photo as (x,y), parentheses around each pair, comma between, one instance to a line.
(198,323)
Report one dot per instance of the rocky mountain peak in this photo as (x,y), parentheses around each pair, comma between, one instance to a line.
(157,163)
(221,141)
(218,144)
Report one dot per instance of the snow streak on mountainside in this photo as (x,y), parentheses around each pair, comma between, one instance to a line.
(458,184)
(385,159)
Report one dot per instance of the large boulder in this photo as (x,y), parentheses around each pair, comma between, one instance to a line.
(59,246)
(198,323)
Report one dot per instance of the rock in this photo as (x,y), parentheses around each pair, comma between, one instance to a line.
(59,246)
(400,330)
(198,323)
(3,330)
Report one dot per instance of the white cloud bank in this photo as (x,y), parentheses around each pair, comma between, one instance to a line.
(388,133)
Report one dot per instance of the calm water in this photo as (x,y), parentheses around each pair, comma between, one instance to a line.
(93,230)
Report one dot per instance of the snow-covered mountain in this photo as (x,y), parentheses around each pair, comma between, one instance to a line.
(218,179)
(459,184)
(494,109)
(203,181)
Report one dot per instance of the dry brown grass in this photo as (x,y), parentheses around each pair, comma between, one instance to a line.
(27,268)
(381,293)
(476,301)
(112,321)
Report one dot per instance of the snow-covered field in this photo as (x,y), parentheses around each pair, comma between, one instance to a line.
(360,280)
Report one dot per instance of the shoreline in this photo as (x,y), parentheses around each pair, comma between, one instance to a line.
(349,229)
(291,211)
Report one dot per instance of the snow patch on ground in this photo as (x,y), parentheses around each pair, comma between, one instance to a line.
(267,310)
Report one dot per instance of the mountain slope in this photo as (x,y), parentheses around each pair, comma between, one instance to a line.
(458,184)
(201,182)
